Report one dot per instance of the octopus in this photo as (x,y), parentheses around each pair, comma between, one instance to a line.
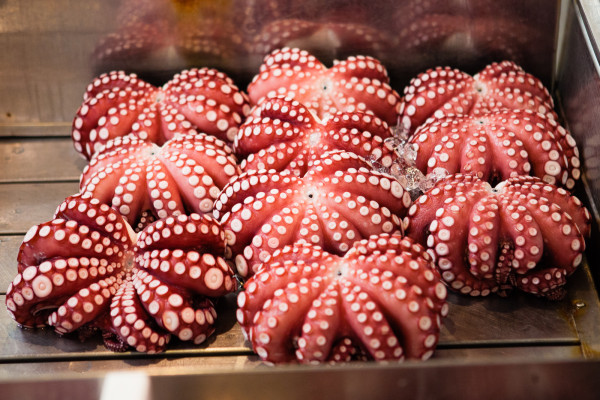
(338,201)
(86,270)
(523,233)
(116,104)
(383,300)
(288,136)
(444,91)
(359,83)
(145,182)
(499,144)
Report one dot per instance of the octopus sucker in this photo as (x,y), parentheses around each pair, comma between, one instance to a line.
(512,235)
(137,290)
(291,309)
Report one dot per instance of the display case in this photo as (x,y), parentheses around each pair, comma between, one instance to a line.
(514,347)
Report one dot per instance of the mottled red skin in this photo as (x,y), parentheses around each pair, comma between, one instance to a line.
(338,201)
(285,135)
(145,182)
(498,145)
(383,300)
(523,234)
(444,91)
(118,103)
(358,83)
(85,270)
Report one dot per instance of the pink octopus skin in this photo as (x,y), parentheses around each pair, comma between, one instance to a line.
(145,182)
(86,270)
(338,201)
(285,135)
(444,91)
(383,300)
(498,145)
(359,83)
(116,104)
(523,233)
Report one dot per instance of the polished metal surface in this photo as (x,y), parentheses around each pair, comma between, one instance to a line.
(578,84)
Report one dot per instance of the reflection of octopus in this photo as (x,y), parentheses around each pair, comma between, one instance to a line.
(117,103)
(338,201)
(84,270)
(523,233)
(382,301)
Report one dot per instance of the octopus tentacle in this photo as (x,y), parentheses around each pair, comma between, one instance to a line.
(173,310)
(85,306)
(131,323)
(196,263)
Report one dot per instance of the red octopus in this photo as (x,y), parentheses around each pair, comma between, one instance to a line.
(383,300)
(359,83)
(499,144)
(117,103)
(523,233)
(444,91)
(144,181)
(338,201)
(285,135)
(86,270)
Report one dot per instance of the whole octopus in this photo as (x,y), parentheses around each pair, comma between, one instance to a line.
(87,268)
(299,210)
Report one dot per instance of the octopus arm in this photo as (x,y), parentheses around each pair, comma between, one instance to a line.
(559,196)
(132,324)
(85,306)
(281,319)
(200,273)
(279,157)
(360,67)
(173,309)
(38,290)
(322,327)
(368,94)
(564,249)
(247,185)
(299,263)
